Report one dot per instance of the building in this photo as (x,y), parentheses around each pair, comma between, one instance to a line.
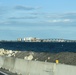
(32,39)
(19,39)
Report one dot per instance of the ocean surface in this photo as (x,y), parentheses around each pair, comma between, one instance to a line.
(54,47)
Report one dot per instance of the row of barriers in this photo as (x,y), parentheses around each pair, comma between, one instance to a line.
(25,67)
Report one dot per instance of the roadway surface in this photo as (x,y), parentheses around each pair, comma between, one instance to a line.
(6,72)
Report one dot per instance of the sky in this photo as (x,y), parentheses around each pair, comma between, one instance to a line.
(37,18)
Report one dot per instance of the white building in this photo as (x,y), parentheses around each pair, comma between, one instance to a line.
(31,39)
(28,39)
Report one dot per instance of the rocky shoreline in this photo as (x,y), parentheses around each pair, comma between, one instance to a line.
(63,57)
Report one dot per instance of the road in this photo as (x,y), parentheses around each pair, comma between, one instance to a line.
(6,72)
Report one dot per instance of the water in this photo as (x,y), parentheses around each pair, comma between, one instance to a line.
(40,46)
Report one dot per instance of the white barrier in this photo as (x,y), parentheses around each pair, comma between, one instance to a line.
(62,69)
(9,63)
(1,61)
(25,67)
(33,67)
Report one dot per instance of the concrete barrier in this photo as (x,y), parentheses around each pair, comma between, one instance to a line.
(9,63)
(1,61)
(62,69)
(26,67)
(33,67)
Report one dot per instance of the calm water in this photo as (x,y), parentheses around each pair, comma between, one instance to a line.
(40,46)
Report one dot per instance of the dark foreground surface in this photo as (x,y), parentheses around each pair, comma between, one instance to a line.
(6,72)
(53,47)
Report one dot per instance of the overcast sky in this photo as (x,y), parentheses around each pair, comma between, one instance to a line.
(37,18)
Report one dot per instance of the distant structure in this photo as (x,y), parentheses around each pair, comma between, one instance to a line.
(32,39)
(19,39)
(53,40)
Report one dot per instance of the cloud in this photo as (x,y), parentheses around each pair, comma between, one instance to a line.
(59,20)
(26,17)
(70,15)
(5,22)
(62,16)
(2,10)
(34,13)
(25,8)
(53,16)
